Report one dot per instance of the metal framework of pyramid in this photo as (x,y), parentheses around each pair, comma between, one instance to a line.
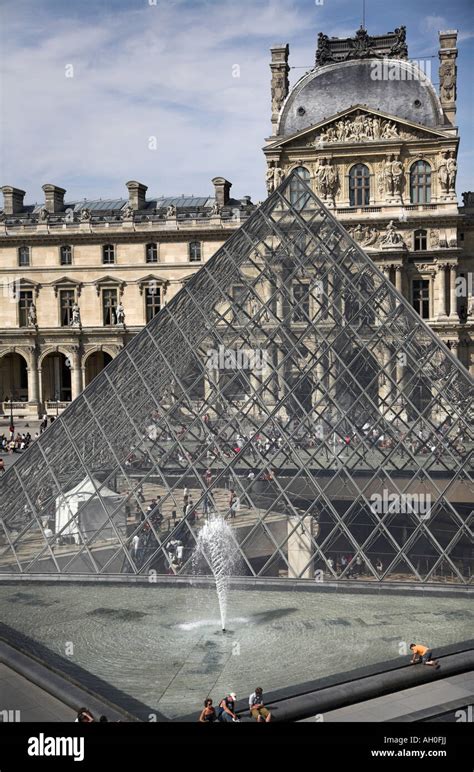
(287,387)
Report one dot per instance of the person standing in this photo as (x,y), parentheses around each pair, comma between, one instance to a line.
(258,710)
(2,465)
(135,545)
(233,503)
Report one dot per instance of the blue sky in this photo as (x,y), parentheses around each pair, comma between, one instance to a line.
(164,69)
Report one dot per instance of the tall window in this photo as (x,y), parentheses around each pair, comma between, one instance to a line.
(300,301)
(24,256)
(195,251)
(152,302)
(66,302)
(359,185)
(239,299)
(421,297)
(420,240)
(108,254)
(298,195)
(65,255)
(109,305)
(25,301)
(151,253)
(420,183)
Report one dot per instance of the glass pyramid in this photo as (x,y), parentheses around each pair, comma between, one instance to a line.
(287,387)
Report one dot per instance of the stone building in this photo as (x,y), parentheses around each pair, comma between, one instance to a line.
(80,279)
(366,128)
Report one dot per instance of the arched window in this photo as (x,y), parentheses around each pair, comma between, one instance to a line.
(298,194)
(420,240)
(359,185)
(420,183)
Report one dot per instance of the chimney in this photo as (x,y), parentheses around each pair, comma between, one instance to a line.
(136,194)
(448,54)
(12,199)
(221,190)
(53,198)
(280,84)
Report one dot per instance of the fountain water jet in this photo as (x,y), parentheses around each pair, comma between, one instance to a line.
(216,544)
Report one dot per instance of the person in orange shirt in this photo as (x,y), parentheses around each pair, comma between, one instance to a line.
(422,654)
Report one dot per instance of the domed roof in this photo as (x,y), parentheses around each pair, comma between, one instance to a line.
(328,90)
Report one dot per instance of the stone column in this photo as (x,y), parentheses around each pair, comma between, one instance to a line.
(33,381)
(76,372)
(300,548)
(318,391)
(453,306)
(399,278)
(384,386)
(441,291)
(454,346)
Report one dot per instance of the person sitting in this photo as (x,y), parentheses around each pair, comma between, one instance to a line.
(422,654)
(84,716)
(227,708)
(208,713)
(257,709)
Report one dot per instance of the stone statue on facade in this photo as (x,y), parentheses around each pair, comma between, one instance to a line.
(391,238)
(370,236)
(278,176)
(361,45)
(127,213)
(360,128)
(278,91)
(399,49)
(389,130)
(76,316)
(447,81)
(32,319)
(323,52)
(171,211)
(397,174)
(327,179)
(43,215)
(443,174)
(120,314)
(85,215)
(215,209)
(270,178)
(451,169)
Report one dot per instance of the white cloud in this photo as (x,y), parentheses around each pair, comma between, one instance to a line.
(144,73)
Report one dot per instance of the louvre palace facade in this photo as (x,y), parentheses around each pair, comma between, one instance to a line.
(368,131)
(299,384)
